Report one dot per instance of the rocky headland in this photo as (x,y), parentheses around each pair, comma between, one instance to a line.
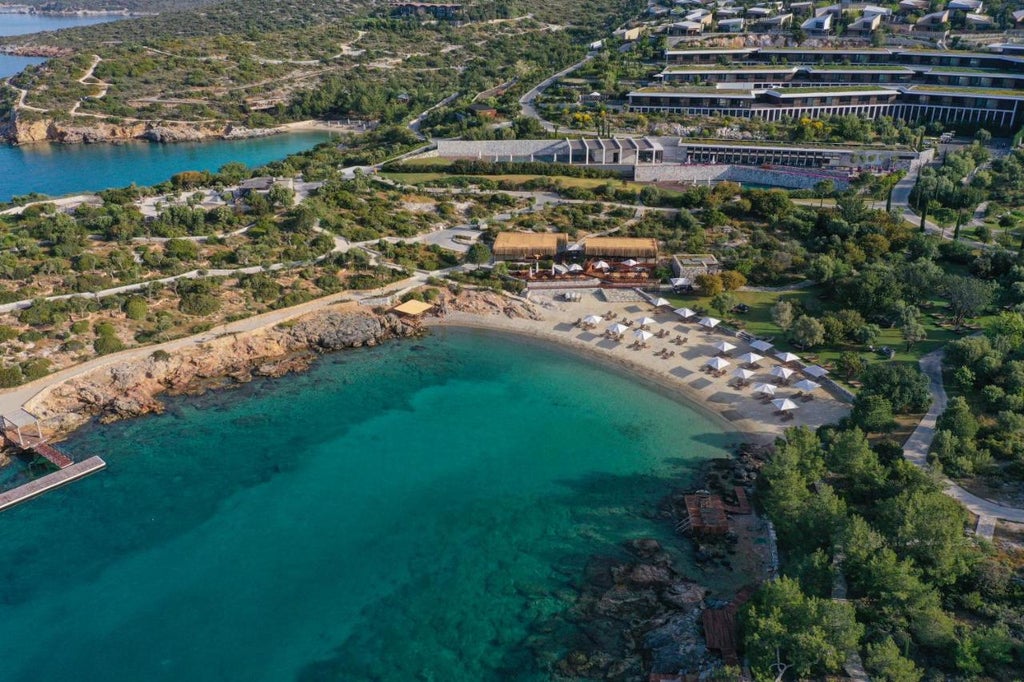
(133,387)
(19,130)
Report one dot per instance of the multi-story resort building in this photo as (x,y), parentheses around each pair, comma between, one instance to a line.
(970,88)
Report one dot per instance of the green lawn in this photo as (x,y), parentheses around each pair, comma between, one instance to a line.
(759,322)
(585,183)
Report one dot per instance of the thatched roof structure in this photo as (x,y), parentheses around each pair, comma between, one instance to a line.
(518,245)
(621,247)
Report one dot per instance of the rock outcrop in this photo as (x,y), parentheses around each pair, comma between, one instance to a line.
(133,387)
(27,130)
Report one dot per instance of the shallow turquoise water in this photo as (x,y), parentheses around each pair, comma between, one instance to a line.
(419,511)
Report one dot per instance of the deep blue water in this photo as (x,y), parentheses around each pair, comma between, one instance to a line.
(417,511)
(21,24)
(63,169)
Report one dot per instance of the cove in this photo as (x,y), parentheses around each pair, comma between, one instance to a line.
(56,170)
(421,510)
(16,24)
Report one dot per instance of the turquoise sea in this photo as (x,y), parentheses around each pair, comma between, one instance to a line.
(417,511)
(56,170)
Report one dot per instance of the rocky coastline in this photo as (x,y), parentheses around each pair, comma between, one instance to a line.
(640,615)
(19,131)
(133,387)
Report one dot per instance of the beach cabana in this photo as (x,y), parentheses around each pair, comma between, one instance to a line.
(644,322)
(750,358)
(685,313)
(412,308)
(642,336)
(765,389)
(781,372)
(815,371)
(724,347)
(743,374)
(618,329)
(806,385)
(787,357)
(709,322)
(717,364)
(762,346)
(679,282)
(784,404)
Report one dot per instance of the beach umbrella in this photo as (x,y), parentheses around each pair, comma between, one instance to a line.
(717,363)
(601,265)
(559,269)
(782,372)
(629,263)
(575,267)
(744,374)
(709,322)
(642,336)
(806,385)
(661,303)
(787,357)
(784,404)
(680,281)
(765,389)
(815,371)
(750,358)
(760,345)
(593,319)
(646,321)
(724,347)
(618,328)
(685,312)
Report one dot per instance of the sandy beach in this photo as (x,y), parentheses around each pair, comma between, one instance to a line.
(737,409)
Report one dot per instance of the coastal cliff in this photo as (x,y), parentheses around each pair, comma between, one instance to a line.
(18,130)
(132,388)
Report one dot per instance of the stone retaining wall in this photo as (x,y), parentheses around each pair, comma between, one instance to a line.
(711,174)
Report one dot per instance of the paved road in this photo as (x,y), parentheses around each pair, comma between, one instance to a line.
(916,451)
(526,102)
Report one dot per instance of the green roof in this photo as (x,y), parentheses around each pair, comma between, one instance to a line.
(830,91)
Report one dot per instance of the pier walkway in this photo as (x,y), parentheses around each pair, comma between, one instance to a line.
(70,473)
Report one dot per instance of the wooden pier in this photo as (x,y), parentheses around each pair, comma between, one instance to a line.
(35,488)
(67,469)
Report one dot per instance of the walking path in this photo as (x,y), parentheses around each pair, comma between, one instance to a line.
(526,102)
(915,450)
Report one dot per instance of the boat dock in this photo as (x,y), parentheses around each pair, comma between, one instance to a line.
(67,469)
(35,488)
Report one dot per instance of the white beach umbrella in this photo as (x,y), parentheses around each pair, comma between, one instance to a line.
(661,303)
(782,372)
(575,267)
(618,328)
(744,374)
(750,358)
(709,322)
(680,281)
(559,269)
(760,345)
(784,404)
(815,371)
(593,319)
(806,385)
(629,263)
(646,321)
(685,312)
(717,363)
(787,357)
(601,265)
(641,335)
(724,347)
(765,389)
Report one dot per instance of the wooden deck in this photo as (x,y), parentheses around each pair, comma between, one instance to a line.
(66,475)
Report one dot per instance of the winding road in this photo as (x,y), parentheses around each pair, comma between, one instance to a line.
(915,450)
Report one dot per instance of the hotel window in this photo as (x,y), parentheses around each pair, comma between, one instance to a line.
(992,104)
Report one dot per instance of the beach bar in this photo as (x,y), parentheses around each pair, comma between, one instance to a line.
(639,248)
